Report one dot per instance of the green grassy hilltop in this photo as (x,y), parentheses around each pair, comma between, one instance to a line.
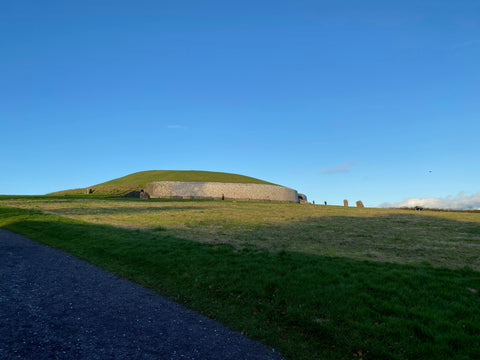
(138,181)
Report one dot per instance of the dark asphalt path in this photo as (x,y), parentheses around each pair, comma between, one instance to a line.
(55,306)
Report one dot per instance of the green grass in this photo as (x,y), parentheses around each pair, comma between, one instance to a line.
(138,180)
(314,282)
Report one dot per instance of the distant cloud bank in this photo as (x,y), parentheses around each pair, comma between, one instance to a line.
(458,202)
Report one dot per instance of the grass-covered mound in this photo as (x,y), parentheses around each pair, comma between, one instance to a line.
(138,181)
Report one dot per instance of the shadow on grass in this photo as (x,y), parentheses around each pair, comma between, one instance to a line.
(306,306)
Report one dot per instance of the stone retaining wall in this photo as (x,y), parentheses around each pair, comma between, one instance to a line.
(219,191)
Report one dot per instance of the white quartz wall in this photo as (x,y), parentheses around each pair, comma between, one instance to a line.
(215,190)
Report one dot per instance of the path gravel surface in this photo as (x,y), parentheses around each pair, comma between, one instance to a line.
(55,306)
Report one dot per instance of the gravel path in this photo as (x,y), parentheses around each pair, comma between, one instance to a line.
(55,306)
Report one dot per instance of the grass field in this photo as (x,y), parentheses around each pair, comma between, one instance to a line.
(315,282)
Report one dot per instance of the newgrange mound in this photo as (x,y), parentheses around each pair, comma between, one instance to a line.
(190,185)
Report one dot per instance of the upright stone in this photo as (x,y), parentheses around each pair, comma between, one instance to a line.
(89,191)
(345,202)
(360,203)
(302,198)
(144,195)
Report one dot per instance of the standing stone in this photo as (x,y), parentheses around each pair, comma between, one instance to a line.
(302,198)
(144,195)
(360,203)
(89,191)
(345,202)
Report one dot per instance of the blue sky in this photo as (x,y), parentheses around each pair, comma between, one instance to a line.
(376,101)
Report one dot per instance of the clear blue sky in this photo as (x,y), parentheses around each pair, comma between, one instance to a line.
(376,101)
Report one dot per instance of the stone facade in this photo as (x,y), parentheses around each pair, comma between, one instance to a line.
(220,191)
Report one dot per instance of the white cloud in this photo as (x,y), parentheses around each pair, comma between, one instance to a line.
(343,168)
(458,202)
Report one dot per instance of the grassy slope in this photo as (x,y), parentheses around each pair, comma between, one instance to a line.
(307,305)
(140,179)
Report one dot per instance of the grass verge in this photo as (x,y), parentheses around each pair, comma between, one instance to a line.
(307,306)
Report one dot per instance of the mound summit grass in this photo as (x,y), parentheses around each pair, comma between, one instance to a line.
(314,282)
(138,181)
